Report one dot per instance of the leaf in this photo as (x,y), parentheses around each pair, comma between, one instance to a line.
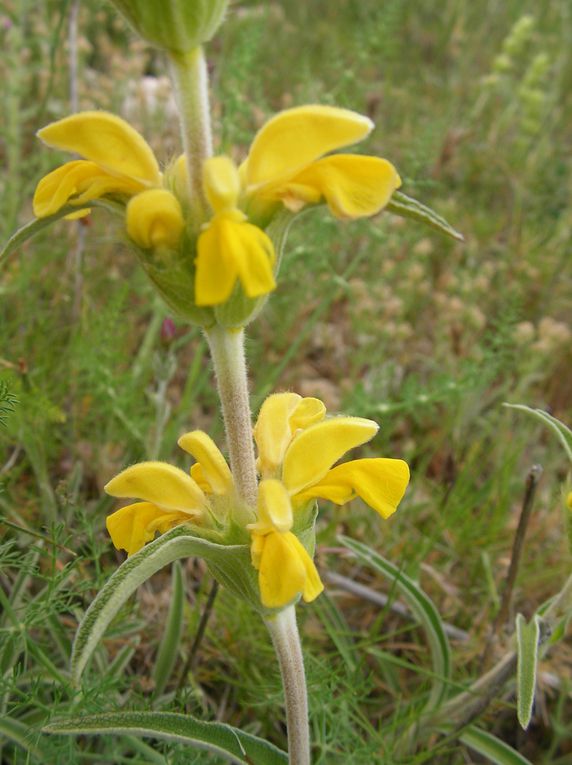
(29,230)
(528,641)
(407,207)
(563,433)
(21,734)
(491,747)
(423,609)
(169,648)
(217,738)
(232,562)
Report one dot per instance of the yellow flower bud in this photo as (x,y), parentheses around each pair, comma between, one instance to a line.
(174,25)
(154,219)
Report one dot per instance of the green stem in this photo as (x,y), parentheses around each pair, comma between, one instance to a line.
(286,640)
(190,77)
(227,351)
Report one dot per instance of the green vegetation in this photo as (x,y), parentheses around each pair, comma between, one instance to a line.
(384,319)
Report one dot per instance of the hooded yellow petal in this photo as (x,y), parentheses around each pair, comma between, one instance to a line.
(381,483)
(213,464)
(108,141)
(353,186)
(281,415)
(272,431)
(198,475)
(228,249)
(296,137)
(281,572)
(308,412)
(133,526)
(154,218)
(274,508)
(313,585)
(160,483)
(313,451)
(77,182)
(221,183)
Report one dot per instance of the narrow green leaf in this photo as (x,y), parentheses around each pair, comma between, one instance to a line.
(407,207)
(20,734)
(491,747)
(563,433)
(169,648)
(232,563)
(528,641)
(423,609)
(218,738)
(29,230)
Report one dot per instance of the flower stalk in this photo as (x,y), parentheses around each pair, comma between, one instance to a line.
(286,640)
(227,352)
(190,77)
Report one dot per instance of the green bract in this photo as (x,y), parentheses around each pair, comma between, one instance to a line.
(174,25)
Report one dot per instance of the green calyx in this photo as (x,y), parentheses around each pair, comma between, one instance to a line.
(174,25)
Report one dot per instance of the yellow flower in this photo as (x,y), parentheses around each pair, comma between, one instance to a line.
(117,162)
(290,163)
(287,162)
(285,567)
(171,497)
(230,248)
(297,451)
(298,448)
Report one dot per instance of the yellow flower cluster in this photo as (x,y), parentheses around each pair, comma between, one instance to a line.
(298,448)
(290,165)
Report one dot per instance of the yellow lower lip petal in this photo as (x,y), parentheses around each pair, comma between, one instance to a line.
(282,573)
(231,249)
(381,483)
(354,186)
(159,483)
(133,526)
(313,452)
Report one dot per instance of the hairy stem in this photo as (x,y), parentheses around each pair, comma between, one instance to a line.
(227,351)
(286,640)
(190,77)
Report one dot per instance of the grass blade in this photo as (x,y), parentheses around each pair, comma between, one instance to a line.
(491,747)
(562,431)
(218,738)
(423,609)
(22,735)
(528,641)
(169,648)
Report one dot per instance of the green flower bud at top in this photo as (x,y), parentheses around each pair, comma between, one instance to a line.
(174,25)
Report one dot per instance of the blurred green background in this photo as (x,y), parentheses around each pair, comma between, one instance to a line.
(381,318)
